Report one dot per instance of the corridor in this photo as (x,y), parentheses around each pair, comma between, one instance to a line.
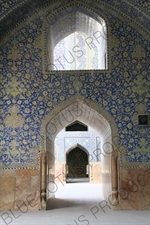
(75,194)
(78,204)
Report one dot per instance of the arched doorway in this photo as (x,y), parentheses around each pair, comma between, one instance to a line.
(86,138)
(76,164)
(87,112)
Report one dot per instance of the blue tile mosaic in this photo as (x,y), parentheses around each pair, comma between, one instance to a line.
(89,140)
(28,95)
(12,12)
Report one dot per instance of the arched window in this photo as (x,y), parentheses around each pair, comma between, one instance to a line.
(77,41)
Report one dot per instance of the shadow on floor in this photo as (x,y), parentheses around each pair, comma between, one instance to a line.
(57,203)
(77,180)
(75,194)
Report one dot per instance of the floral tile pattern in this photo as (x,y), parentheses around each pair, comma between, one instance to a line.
(28,94)
(13,12)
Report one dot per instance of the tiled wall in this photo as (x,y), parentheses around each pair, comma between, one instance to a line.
(89,140)
(29,94)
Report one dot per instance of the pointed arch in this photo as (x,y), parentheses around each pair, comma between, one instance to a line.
(90,113)
(79,146)
(87,48)
(80,105)
(77,162)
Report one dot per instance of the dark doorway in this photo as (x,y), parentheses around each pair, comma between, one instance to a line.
(77,165)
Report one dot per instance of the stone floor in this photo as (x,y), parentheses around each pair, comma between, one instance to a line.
(77,204)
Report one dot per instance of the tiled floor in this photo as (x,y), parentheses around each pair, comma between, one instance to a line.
(78,204)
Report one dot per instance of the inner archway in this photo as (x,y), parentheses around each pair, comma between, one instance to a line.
(79,135)
(76,163)
(87,112)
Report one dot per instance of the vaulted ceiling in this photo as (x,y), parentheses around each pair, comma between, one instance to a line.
(14,12)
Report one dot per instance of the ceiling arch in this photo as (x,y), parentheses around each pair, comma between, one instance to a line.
(7,7)
(137,12)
